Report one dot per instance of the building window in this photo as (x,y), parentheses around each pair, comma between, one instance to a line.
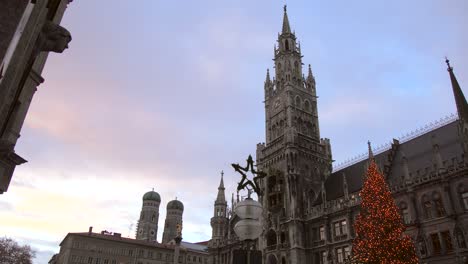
(347,252)
(440,210)
(339,255)
(90,260)
(98,261)
(427,206)
(324,258)
(405,213)
(322,233)
(464,197)
(340,228)
(106,261)
(446,238)
(436,248)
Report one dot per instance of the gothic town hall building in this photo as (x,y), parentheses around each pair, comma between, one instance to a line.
(310,209)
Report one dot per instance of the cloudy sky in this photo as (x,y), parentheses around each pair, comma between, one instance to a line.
(166,94)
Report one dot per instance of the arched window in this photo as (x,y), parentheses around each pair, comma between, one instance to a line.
(439,205)
(298,102)
(404,211)
(307,106)
(283,260)
(427,207)
(286,44)
(271,238)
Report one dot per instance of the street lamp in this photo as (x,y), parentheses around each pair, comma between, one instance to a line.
(249,227)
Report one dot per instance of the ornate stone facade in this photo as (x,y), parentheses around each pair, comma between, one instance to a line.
(309,208)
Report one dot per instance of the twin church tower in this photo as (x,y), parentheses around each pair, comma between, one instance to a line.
(147,228)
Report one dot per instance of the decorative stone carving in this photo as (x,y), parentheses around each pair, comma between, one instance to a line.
(53,38)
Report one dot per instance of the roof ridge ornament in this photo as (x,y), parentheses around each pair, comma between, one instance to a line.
(404,138)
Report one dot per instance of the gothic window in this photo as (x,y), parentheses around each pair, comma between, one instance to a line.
(427,207)
(404,211)
(296,67)
(322,233)
(298,102)
(153,218)
(339,255)
(446,238)
(436,248)
(439,205)
(283,260)
(286,44)
(463,193)
(347,252)
(271,238)
(307,106)
(340,228)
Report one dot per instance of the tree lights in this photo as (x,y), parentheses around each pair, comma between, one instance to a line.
(379,227)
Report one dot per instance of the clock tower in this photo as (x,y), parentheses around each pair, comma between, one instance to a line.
(296,159)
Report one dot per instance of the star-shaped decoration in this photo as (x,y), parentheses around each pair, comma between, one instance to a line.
(245,181)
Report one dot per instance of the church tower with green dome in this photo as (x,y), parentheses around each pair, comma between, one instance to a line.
(175,209)
(147,228)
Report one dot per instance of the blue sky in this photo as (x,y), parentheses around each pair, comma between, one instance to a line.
(166,94)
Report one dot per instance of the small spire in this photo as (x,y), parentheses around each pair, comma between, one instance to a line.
(221,184)
(460,100)
(220,198)
(371,155)
(268,75)
(286,27)
(152,189)
(310,71)
(176,197)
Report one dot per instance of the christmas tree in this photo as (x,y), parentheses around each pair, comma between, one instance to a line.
(379,228)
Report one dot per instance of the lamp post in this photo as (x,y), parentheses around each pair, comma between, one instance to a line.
(249,227)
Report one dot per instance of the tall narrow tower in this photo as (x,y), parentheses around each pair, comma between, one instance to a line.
(296,159)
(219,221)
(175,209)
(147,228)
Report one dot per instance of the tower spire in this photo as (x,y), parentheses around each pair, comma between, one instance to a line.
(460,100)
(371,155)
(268,76)
(286,27)
(221,198)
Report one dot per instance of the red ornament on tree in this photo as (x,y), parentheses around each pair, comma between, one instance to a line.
(380,237)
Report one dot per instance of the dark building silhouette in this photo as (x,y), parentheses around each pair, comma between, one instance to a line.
(29,30)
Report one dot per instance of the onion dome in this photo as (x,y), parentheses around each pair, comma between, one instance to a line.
(175,204)
(152,196)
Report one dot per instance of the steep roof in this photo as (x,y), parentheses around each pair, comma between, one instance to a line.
(418,152)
